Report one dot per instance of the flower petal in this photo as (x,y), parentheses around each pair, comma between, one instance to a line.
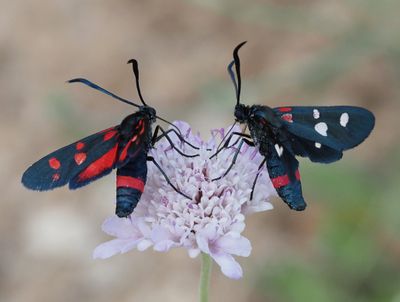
(118,227)
(240,246)
(112,247)
(193,253)
(229,266)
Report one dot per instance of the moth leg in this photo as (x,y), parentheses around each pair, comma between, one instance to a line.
(157,137)
(225,145)
(150,158)
(243,140)
(255,179)
(165,134)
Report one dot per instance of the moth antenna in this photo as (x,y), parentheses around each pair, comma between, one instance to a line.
(237,66)
(233,78)
(97,87)
(136,73)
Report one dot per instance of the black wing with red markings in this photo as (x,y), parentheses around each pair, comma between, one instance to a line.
(84,161)
(87,159)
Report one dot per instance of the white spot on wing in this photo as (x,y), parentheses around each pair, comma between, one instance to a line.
(321,128)
(318,145)
(279,149)
(316,113)
(344,119)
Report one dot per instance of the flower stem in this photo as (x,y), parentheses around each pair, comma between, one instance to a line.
(206,264)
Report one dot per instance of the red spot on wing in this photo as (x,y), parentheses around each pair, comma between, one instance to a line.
(100,165)
(80,146)
(297,174)
(109,135)
(285,109)
(56,176)
(80,158)
(124,151)
(287,117)
(280,181)
(54,163)
(130,182)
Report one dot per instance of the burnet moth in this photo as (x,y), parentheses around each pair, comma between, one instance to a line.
(123,147)
(320,133)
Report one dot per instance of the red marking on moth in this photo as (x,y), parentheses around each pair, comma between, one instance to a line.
(287,117)
(106,130)
(134,138)
(54,163)
(297,174)
(139,124)
(100,165)
(124,152)
(109,135)
(130,182)
(141,130)
(80,146)
(280,181)
(56,176)
(285,109)
(80,158)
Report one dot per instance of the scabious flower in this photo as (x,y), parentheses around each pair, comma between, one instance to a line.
(211,222)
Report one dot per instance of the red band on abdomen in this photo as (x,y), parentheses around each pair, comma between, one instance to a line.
(280,181)
(130,182)
(297,175)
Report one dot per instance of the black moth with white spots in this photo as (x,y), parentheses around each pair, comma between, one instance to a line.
(319,133)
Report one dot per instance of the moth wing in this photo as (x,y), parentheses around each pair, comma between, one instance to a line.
(94,156)
(322,133)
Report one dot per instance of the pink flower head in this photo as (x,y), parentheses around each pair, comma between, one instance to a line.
(212,221)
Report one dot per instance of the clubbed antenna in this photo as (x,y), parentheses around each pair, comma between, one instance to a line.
(136,73)
(236,60)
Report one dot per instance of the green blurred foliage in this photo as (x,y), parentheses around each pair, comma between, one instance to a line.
(355,254)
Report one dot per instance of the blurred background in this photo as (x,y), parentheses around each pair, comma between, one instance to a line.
(344,247)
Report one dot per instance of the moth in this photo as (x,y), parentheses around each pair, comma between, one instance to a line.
(320,133)
(123,147)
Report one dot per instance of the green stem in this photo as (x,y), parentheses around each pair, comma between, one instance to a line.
(206,264)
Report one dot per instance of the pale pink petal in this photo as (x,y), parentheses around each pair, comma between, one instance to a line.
(259,207)
(164,246)
(193,253)
(144,245)
(112,247)
(118,227)
(229,266)
(237,246)
(202,243)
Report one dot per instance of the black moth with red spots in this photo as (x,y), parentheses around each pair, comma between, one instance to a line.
(124,147)
(319,133)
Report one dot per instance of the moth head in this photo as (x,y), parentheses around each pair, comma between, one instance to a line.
(150,113)
(241,113)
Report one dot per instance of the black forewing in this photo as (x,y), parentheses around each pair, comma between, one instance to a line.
(322,133)
(59,167)
(130,141)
